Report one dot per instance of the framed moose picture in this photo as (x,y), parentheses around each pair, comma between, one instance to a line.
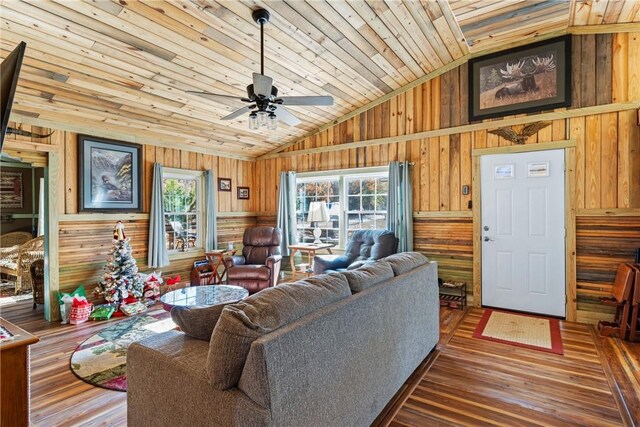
(109,178)
(525,79)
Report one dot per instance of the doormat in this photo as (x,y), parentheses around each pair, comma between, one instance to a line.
(102,359)
(537,333)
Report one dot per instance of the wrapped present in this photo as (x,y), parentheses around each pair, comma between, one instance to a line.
(102,312)
(133,309)
(65,300)
(80,310)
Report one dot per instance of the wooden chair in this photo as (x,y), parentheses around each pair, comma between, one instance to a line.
(28,252)
(621,300)
(37,278)
(634,316)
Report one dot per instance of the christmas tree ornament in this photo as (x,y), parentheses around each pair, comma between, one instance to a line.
(118,231)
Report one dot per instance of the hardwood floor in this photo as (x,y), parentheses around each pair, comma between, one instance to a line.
(465,382)
(475,382)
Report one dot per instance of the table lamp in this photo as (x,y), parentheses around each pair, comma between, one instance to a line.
(318,212)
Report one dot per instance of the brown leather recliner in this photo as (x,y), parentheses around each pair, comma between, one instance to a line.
(259,266)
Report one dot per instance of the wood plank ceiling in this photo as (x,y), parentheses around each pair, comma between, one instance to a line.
(121,68)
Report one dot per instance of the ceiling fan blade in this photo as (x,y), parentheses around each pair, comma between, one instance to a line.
(262,85)
(306,100)
(214,96)
(237,113)
(286,117)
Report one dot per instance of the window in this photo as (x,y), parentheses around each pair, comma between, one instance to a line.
(366,203)
(182,200)
(356,199)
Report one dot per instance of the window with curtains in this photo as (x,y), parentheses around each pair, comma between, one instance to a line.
(354,199)
(183,203)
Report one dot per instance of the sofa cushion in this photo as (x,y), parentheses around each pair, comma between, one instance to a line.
(197,322)
(242,323)
(368,275)
(406,261)
(249,272)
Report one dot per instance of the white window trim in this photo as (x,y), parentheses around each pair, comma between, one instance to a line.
(341,175)
(174,173)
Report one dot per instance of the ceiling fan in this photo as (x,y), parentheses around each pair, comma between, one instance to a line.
(265,107)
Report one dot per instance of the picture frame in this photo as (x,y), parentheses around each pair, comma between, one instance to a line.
(525,79)
(243,193)
(109,175)
(224,184)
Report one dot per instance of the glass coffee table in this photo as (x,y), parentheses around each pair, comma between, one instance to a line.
(203,296)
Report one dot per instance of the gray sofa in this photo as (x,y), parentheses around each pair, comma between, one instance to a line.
(330,350)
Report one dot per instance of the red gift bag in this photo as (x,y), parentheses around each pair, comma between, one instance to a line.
(80,311)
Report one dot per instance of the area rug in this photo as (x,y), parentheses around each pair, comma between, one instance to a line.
(537,333)
(102,359)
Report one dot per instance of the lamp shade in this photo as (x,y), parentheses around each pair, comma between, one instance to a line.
(318,212)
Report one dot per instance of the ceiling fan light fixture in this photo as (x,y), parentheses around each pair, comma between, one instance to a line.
(272,122)
(253,121)
(262,118)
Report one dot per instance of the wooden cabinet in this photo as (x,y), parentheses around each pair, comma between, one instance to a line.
(14,372)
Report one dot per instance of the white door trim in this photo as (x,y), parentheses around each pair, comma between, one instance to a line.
(570,217)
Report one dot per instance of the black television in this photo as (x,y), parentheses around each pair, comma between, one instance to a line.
(9,71)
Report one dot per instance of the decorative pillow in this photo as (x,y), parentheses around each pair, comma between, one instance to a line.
(406,261)
(358,264)
(368,275)
(242,323)
(197,322)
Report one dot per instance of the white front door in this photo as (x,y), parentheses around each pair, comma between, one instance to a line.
(523,234)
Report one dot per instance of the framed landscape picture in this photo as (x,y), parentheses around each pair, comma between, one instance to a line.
(108,175)
(525,79)
(243,193)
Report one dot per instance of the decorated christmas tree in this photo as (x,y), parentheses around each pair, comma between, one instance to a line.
(120,279)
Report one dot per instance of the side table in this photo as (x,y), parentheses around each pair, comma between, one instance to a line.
(215,260)
(453,294)
(310,250)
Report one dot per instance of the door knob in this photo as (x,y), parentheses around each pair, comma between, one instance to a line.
(488,239)
(485,228)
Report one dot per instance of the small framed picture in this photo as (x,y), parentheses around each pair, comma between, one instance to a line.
(224,184)
(243,193)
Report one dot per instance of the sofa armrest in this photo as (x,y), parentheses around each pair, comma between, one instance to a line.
(274,262)
(321,263)
(230,261)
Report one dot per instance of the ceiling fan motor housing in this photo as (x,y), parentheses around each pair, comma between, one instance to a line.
(260,16)
(261,102)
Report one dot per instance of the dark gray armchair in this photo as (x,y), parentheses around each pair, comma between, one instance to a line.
(365,246)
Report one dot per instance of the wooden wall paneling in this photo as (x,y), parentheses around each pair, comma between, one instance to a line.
(52,282)
(445,100)
(147,181)
(58,139)
(71,173)
(609,160)
(224,197)
(592,161)
(434,174)
(601,244)
(447,241)
(576,71)
(634,157)
(454,172)
(619,69)
(184,159)
(633,73)
(465,167)
(588,58)
(577,131)
(444,173)
(423,179)
(624,160)
(603,68)
(570,233)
